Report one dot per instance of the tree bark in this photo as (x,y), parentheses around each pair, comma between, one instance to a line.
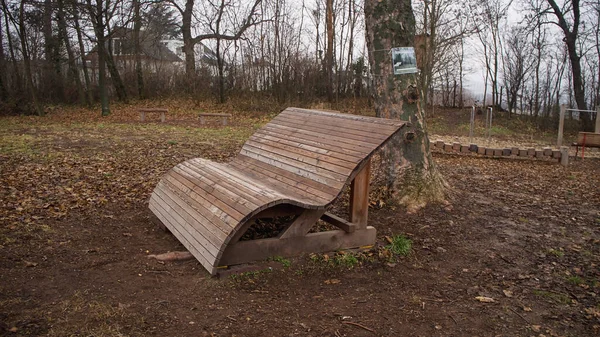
(64,36)
(97,15)
(86,75)
(329,52)
(137,26)
(11,49)
(27,61)
(411,175)
(571,32)
(3,90)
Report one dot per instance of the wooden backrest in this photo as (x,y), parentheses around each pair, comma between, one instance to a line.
(588,138)
(324,147)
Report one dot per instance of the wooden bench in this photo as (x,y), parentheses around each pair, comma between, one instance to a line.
(161,111)
(295,166)
(586,139)
(224,117)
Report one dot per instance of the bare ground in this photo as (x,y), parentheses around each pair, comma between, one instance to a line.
(75,235)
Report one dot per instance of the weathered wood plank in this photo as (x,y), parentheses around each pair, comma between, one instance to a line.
(177,223)
(340,223)
(286,176)
(325,162)
(590,139)
(247,251)
(297,149)
(391,123)
(183,236)
(296,189)
(233,192)
(352,127)
(359,197)
(333,127)
(299,171)
(323,143)
(213,216)
(306,164)
(339,141)
(302,224)
(178,208)
(319,149)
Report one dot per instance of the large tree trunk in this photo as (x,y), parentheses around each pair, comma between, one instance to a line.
(411,174)
(188,41)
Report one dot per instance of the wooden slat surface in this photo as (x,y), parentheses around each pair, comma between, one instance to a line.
(591,139)
(301,158)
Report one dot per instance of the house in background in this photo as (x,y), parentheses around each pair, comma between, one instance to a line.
(159,56)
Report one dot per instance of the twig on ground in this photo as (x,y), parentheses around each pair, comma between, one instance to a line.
(360,326)
(455,322)
(516,313)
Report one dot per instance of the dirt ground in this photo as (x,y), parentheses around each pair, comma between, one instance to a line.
(75,235)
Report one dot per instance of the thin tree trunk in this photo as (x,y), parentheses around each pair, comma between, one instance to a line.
(27,61)
(411,174)
(11,48)
(86,75)
(114,73)
(137,25)
(63,35)
(99,27)
(3,89)
(329,53)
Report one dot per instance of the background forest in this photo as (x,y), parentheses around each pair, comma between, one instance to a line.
(523,56)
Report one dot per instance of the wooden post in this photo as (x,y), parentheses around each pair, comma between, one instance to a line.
(359,197)
(561,125)
(472,125)
(564,155)
(597,129)
(490,128)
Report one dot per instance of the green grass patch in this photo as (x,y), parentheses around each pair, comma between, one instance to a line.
(576,280)
(556,252)
(346,260)
(284,262)
(553,296)
(400,245)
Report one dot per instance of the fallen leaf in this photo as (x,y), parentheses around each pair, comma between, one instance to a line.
(507,293)
(332,281)
(528,309)
(536,328)
(30,264)
(485,299)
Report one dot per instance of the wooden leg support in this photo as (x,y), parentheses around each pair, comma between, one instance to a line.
(302,224)
(359,197)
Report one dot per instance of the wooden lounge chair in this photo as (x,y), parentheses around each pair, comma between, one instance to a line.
(297,165)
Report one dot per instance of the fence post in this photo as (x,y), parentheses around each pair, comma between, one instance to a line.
(472,125)
(561,124)
(597,129)
(564,155)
